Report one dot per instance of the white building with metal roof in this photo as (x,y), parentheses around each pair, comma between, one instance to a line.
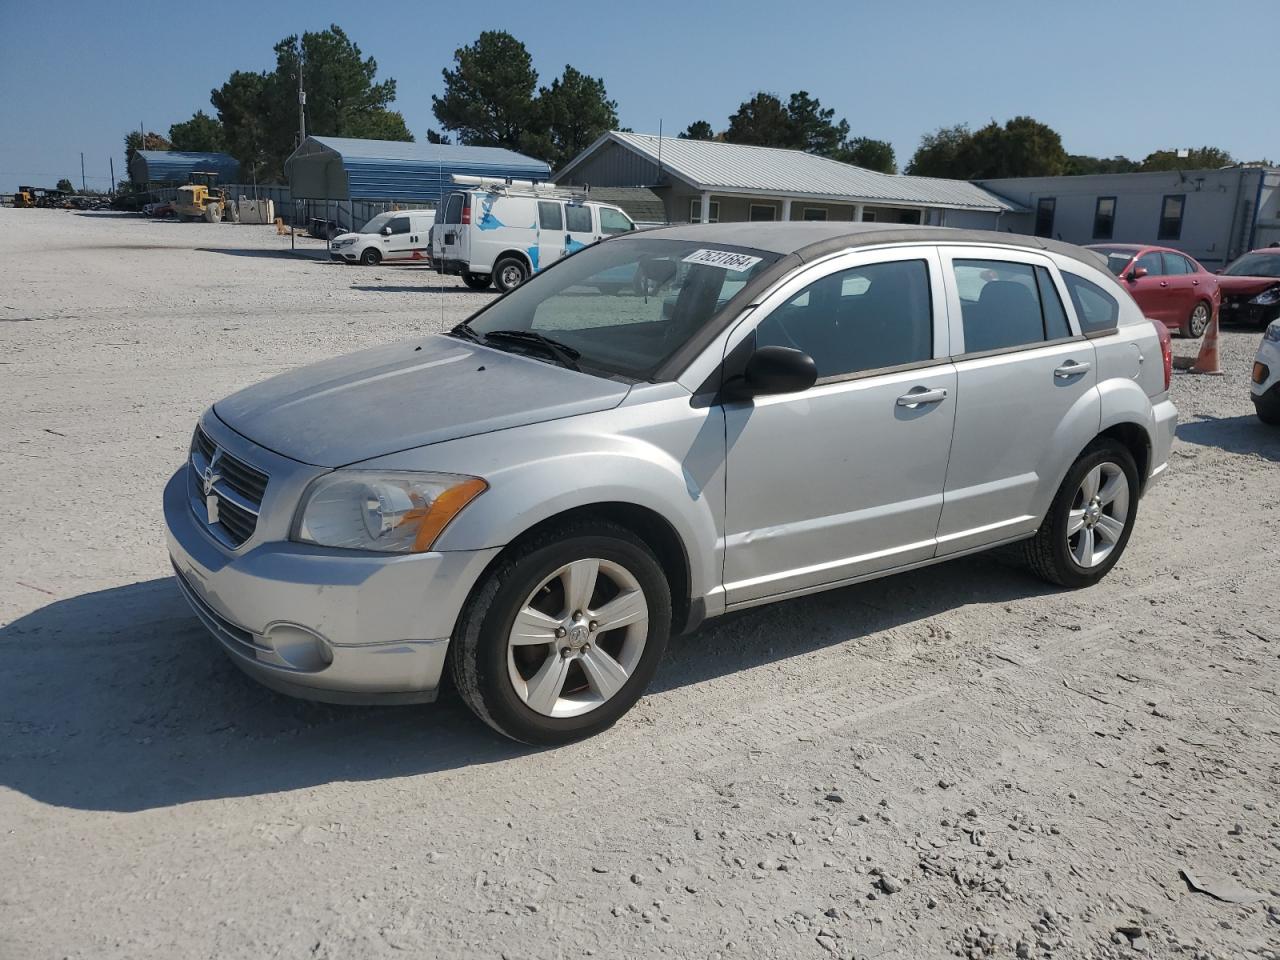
(711,181)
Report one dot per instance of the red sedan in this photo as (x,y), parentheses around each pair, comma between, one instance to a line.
(1168,285)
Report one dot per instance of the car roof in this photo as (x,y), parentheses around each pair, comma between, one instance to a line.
(808,239)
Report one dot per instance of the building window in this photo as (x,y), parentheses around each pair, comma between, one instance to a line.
(815,213)
(1044,216)
(1171,217)
(868,216)
(695,211)
(1104,218)
(909,216)
(762,212)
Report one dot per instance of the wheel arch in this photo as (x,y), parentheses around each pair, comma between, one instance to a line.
(1134,438)
(520,255)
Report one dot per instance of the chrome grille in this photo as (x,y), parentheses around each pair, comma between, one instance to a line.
(226,493)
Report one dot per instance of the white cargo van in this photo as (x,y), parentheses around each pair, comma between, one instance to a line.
(397,236)
(504,233)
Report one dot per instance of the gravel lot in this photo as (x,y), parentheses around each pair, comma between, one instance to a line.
(956,761)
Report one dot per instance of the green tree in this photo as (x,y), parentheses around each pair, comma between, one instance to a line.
(1201,158)
(66,186)
(814,129)
(244,110)
(1022,147)
(568,116)
(134,141)
(947,152)
(435,136)
(201,134)
(1079,164)
(761,121)
(698,130)
(489,94)
(868,153)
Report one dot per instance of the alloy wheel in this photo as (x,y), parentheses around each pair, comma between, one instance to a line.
(1099,514)
(1199,320)
(577,638)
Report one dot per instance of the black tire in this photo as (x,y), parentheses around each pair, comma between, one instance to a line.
(478,651)
(1198,321)
(476,281)
(371,257)
(509,273)
(1267,406)
(1048,553)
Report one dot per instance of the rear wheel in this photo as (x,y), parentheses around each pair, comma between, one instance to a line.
(1089,522)
(213,212)
(509,273)
(476,281)
(1198,322)
(371,257)
(563,635)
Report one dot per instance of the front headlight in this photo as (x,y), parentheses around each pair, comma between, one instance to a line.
(1267,297)
(1272,332)
(390,512)
(344,243)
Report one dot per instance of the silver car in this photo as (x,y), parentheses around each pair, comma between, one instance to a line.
(664,427)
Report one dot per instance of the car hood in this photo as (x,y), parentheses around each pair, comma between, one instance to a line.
(1245,286)
(404,395)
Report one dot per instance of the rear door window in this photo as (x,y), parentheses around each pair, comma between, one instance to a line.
(453,209)
(1175,264)
(550,215)
(1006,304)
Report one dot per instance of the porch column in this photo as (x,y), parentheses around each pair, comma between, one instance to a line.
(786,208)
(857,212)
(706,207)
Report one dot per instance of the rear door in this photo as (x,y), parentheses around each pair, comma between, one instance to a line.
(1184,286)
(449,233)
(1026,403)
(551,240)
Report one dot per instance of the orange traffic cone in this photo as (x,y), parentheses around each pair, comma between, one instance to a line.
(1207,360)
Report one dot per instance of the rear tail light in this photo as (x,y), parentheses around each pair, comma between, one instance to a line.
(1166,351)
(466,210)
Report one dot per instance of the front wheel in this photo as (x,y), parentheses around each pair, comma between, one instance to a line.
(1267,406)
(1197,323)
(563,635)
(476,281)
(371,257)
(1089,522)
(509,273)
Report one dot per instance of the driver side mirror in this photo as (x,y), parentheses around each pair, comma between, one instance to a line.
(386,231)
(773,370)
(1137,273)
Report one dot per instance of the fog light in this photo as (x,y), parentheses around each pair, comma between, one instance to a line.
(299,647)
(1260,372)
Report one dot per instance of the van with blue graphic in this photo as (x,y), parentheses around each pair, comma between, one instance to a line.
(502,233)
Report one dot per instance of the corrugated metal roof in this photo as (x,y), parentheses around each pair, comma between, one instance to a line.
(178,165)
(732,167)
(397,170)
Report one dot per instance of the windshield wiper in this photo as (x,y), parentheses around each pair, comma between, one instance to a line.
(464,332)
(562,353)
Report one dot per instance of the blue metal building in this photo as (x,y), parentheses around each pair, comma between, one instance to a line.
(176,166)
(339,168)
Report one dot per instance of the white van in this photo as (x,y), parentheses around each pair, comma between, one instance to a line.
(397,236)
(504,233)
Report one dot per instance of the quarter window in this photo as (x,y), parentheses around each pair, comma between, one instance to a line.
(1096,309)
(1171,217)
(1104,218)
(550,215)
(614,221)
(577,218)
(863,318)
(1007,305)
(695,211)
(1045,208)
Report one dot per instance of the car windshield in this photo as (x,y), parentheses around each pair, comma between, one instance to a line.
(1117,258)
(627,305)
(377,223)
(1255,265)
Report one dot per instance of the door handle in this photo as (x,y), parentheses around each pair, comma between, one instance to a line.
(921,396)
(1071,369)
(1195,283)
(1164,283)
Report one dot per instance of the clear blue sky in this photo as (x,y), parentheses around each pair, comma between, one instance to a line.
(1111,77)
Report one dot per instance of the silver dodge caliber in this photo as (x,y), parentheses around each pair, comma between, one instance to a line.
(659,429)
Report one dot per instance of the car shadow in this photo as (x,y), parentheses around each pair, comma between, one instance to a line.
(1245,435)
(426,288)
(117,700)
(319,256)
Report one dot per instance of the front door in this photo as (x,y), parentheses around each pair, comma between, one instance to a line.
(398,244)
(844,479)
(1026,403)
(1153,292)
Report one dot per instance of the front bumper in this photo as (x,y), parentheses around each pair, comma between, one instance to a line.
(334,625)
(1269,356)
(1240,310)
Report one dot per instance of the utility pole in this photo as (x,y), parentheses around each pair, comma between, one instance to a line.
(83,187)
(112,161)
(302,101)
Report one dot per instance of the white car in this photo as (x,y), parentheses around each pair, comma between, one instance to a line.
(398,236)
(1266,376)
(504,233)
